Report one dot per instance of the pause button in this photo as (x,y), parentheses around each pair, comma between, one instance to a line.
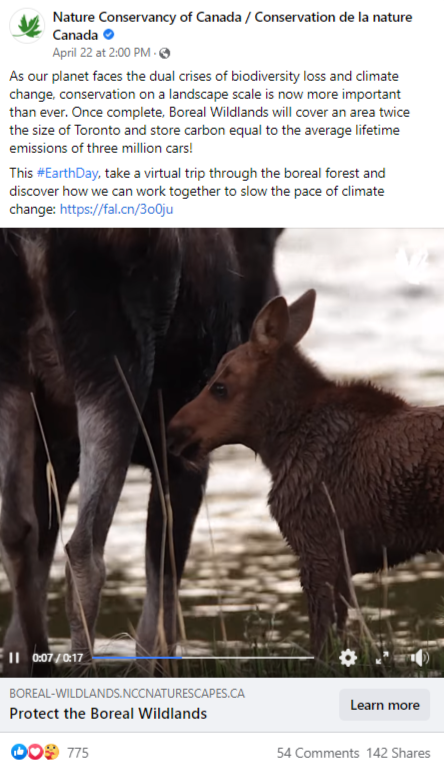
(14,658)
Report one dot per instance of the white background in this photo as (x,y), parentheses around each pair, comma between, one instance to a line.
(201,750)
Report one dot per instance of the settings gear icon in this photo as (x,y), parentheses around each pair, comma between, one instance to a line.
(348,658)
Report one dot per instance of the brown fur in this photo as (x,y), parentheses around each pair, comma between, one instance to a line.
(380,458)
(44,361)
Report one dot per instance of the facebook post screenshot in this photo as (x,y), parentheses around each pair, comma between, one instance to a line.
(222,383)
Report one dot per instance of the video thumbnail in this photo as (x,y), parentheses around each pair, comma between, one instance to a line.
(221,452)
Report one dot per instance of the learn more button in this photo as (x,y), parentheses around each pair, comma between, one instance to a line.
(375,704)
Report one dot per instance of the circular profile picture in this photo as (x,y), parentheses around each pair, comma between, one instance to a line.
(51,751)
(27,25)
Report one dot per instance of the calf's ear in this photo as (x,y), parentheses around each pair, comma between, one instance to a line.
(300,316)
(270,328)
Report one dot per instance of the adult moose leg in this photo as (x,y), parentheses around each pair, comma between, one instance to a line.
(107,431)
(186,487)
(60,434)
(63,452)
(19,529)
(18,523)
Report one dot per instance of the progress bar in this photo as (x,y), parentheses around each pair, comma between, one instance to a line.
(202,658)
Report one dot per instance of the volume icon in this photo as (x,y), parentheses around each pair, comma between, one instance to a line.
(421,657)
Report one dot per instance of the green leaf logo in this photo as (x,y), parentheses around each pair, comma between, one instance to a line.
(30,29)
(27,25)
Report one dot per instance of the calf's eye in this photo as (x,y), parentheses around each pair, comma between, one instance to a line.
(219,390)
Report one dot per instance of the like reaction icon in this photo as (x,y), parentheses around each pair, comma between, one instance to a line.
(19,751)
(35,752)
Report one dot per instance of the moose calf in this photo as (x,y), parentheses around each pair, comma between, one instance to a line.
(373,457)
